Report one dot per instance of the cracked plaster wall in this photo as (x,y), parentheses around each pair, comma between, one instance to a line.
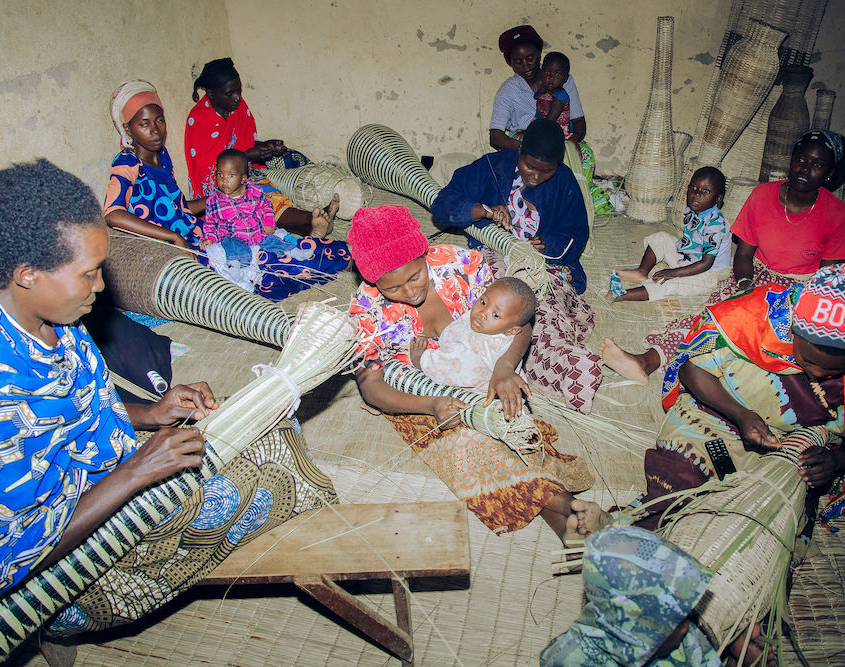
(60,64)
(314,71)
(430,69)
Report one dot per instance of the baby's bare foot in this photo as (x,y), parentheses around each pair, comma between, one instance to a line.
(630,366)
(632,275)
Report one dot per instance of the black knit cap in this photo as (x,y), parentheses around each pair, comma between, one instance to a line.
(544,140)
(214,74)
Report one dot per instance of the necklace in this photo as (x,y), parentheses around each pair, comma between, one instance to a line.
(785,201)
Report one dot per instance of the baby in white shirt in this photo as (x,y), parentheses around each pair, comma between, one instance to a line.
(470,346)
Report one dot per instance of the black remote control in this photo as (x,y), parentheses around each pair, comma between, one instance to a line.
(720,457)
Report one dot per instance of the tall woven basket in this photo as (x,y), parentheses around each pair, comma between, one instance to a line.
(823,110)
(789,119)
(651,174)
(746,76)
(381,157)
(744,528)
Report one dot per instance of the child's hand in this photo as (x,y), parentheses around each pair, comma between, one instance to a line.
(418,346)
(204,243)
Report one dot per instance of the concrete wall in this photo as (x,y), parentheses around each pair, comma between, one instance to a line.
(61,62)
(316,70)
(430,69)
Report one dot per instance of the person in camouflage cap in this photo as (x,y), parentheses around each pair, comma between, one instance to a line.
(641,589)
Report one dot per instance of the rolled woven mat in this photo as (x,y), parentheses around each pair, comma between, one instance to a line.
(744,528)
(159,280)
(314,185)
(321,342)
(520,434)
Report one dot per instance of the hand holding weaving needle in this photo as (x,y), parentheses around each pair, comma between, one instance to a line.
(182,402)
(755,431)
(499,214)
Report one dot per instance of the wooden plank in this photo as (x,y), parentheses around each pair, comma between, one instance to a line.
(414,539)
(402,603)
(382,631)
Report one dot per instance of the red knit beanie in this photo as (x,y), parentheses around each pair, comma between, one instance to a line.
(383,239)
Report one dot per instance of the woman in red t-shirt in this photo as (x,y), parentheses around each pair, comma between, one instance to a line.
(785,232)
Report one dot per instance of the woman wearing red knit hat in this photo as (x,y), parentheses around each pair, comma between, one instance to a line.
(410,290)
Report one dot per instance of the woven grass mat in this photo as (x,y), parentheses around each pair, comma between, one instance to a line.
(514,606)
(817,601)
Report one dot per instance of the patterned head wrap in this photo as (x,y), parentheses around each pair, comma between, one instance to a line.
(640,587)
(383,239)
(819,315)
(127,99)
(830,140)
(522,34)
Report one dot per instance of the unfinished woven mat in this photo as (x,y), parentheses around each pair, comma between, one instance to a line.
(744,528)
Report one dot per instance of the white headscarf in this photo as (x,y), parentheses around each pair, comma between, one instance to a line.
(125,102)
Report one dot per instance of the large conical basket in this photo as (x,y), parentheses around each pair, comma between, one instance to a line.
(159,280)
(744,528)
(651,173)
(381,157)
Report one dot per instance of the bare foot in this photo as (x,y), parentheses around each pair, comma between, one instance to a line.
(332,209)
(590,518)
(322,219)
(632,275)
(754,651)
(321,226)
(630,366)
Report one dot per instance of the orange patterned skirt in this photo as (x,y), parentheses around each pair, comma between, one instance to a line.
(497,486)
